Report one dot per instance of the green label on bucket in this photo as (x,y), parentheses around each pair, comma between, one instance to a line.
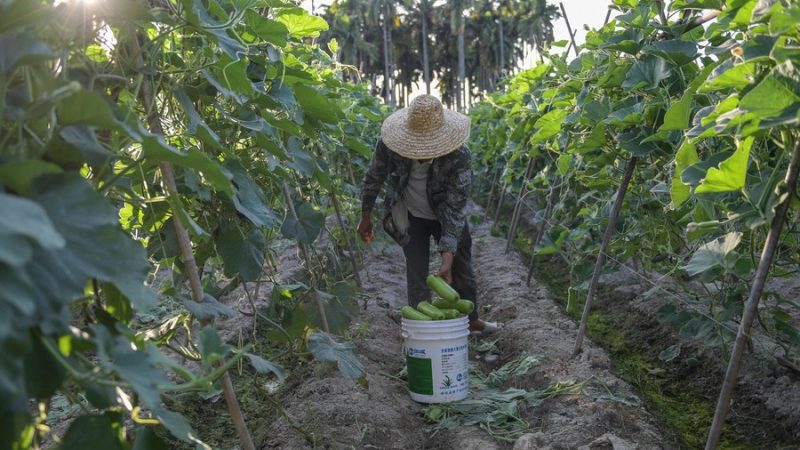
(420,375)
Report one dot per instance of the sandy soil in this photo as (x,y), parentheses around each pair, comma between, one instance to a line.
(343,414)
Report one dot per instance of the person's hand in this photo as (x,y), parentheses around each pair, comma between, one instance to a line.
(446,269)
(365,227)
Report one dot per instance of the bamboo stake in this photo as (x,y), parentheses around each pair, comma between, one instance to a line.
(304,254)
(492,189)
(540,232)
(751,307)
(512,229)
(184,241)
(601,255)
(569,30)
(499,204)
(348,241)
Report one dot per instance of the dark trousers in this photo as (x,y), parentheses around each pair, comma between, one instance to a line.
(418,260)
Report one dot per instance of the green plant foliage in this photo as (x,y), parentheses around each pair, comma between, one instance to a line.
(96,99)
(711,115)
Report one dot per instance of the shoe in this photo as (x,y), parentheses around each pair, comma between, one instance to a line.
(488,329)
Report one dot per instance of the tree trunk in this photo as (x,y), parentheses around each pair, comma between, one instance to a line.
(426,69)
(502,61)
(460,104)
(386,77)
(388,24)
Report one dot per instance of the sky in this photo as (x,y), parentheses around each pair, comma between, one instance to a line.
(580,13)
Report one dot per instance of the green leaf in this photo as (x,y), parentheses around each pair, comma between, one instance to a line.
(16,48)
(261,365)
(209,309)
(30,220)
(713,254)
(670,353)
(315,104)
(17,175)
(685,157)
(628,116)
(179,427)
(301,24)
(83,139)
(675,51)
(325,348)
(95,431)
(632,142)
(211,346)
(266,29)
(728,76)
(155,148)
(88,108)
(147,439)
(677,116)
(647,73)
(548,125)
(94,243)
(248,198)
(242,255)
(135,367)
(731,174)
(197,126)
(306,227)
(776,93)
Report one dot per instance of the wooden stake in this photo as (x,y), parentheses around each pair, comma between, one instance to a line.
(306,258)
(499,204)
(512,229)
(184,241)
(551,201)
(601,255)
(751,307)
(569,30)
(348,241)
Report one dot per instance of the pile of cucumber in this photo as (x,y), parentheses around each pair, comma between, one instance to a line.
(449,306)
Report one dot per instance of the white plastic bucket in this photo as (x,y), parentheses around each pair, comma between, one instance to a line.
(437,359)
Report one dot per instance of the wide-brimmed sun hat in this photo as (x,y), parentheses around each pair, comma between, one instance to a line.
(425,129)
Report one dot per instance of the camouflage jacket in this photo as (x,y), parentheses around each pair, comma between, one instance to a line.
(449,181)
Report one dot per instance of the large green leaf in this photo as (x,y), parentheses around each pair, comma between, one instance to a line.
(728,75)
(95,431)
(713,254)
(731,174)
(306,227)
(248,198)
(155,148)
(675,51)
(301,24)
(18,48)
(686,156)
(548,125)
(677,116)
(776,93)
(266,29)
(94,243)
(315,104)
(197,127)
(88,108)
(324,347)
(647,73)
(29,220)
(242,255)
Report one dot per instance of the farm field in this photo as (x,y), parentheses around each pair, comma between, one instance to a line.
(182,263)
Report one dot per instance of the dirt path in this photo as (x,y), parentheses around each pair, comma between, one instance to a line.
(343,414)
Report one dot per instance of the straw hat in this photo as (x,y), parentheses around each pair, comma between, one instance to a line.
(425,129)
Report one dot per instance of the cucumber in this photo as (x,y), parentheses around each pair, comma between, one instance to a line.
(412,314)
(430,311)
(451,313)
(443,304)
(465,306)
(442,288)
